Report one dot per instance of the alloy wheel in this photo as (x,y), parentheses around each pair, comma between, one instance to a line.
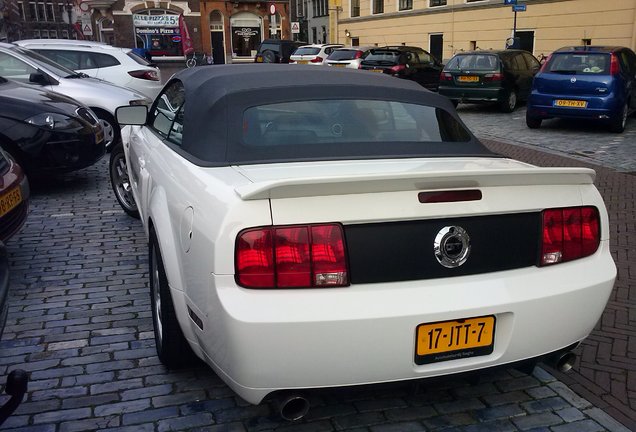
(156,294)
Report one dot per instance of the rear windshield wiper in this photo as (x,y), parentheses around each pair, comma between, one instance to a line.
(564,71)
(78,75)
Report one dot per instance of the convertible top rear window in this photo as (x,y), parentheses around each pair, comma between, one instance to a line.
(345,122)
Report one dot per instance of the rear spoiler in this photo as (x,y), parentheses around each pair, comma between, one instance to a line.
(415,181)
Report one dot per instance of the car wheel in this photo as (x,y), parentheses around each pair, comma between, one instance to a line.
(510,101)
(112,133)
(269,56)
(533,122)
(172,347)
(120,182)
(617,124)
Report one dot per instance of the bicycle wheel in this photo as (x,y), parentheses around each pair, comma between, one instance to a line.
(191,62)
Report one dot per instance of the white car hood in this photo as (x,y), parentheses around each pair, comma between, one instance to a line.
(290,180)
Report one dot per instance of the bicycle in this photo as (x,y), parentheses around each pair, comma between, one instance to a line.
(198,59)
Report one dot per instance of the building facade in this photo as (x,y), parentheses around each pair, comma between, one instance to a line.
(445,27)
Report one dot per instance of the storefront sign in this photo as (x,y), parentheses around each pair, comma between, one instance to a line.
(157,31)
(155,20)
(246,33)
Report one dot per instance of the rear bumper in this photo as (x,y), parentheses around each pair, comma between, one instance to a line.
(542,106)
(264,341)
(473,94)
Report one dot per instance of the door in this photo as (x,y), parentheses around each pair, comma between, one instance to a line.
(436,45)
(428,69)
(526,40)
(218,47)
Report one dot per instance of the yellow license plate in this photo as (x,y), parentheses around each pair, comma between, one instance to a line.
(377,70)
(259,59)
(302,61)
(570,103)
(10,200)
(450,340)
(466,78)
(338,65)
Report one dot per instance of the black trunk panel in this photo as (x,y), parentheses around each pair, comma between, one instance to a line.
(400,251)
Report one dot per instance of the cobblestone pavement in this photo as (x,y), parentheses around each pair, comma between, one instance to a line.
(80,324)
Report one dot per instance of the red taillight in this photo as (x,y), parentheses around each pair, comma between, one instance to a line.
(544,66)
(317,59)
(298,256)
(358,54)
(614,66)
(145,74)
(569,234)
(395,70)
(493,77)
(445,76)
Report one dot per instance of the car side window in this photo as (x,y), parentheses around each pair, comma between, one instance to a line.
(167,113)
(104,60)
(412,59)
(425,57)
(11,67)
(69,59)
(518,63)
(531,62)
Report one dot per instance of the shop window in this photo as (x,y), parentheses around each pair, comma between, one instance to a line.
(159,35)
(246,34)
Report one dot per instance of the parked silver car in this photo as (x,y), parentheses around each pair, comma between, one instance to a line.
(26,66)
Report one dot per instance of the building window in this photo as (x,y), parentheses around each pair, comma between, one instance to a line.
(246,34)
(21,10)
(33,13)
(320,8)
(314,37)
(41,12)
(586,42)
(433,3)
(50,15)
(378,6)
(355,8)
(406,4)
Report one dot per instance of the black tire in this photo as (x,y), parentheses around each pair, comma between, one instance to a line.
(172,347)
(533,122)
(120,182)
(509,103)
(112,131)
(618,122)
(269,56)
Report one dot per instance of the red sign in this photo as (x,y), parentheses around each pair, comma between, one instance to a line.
(272,9)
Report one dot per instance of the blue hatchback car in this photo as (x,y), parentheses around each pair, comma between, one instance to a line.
(585,82)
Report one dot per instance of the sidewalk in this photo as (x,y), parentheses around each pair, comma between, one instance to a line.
(605,372)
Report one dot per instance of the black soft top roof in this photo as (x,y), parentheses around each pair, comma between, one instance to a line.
(217,96)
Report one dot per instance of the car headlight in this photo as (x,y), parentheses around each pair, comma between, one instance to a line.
(54,121)
(144,101)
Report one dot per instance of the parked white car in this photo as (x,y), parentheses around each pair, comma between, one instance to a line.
(306,235)
(314,54)
(26,66)
(349,57)
(120,66)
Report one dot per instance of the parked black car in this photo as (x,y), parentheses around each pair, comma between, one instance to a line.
(406,62)
(503,77)
(47,132)
(276,50)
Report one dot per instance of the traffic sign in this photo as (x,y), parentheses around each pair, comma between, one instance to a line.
(272,9)
(295,27)
(87,29)
(519,8)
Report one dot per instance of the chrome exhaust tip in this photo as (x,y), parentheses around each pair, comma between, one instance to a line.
(292,407)
(565,362)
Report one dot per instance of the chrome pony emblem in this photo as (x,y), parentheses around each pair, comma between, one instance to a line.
(452,246)
(573,80)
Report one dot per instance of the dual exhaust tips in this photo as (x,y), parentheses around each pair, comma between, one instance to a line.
(294,406)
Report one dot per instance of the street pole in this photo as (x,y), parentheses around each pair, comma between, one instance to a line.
(514,26)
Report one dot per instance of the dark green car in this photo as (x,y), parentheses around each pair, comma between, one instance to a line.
(502,77)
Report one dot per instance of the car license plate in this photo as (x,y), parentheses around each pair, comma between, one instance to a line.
(10,200)
(302,61)
(467,78)
(377,70)
(450,340)
(259,59)
(570,103)
(338,65)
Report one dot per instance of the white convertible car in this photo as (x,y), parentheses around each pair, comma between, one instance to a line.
(314,228)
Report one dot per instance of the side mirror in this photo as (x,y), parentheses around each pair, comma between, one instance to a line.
(39,78)
(132,115)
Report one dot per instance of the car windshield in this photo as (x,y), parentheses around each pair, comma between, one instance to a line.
(579,63)
(473,62)
(48,64)
(307,51)
(381,55)
(343,54)
(265,46)
(347,123)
